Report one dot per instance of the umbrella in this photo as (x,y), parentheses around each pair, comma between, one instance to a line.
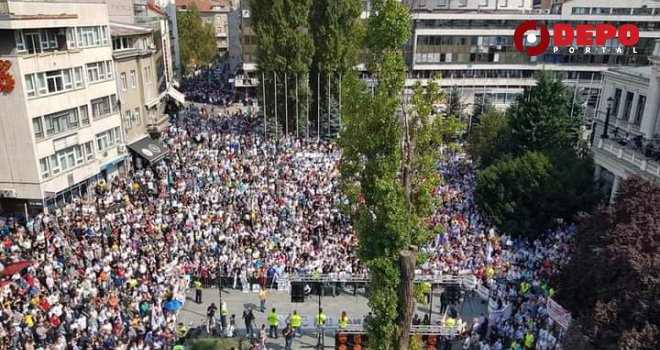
(172,305)
(14,268)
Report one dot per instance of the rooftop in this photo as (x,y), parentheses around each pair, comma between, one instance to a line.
(206,5)
(636,72)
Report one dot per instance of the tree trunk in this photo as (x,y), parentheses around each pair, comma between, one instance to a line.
(406,296)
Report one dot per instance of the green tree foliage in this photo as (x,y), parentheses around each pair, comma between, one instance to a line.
(508,191)
(540,119)
(196,39)
(523,195)
(390,150)
(285,49)
(330,120)
(455,104)
(489,139)
(480,108)
(611,284)
(336,29)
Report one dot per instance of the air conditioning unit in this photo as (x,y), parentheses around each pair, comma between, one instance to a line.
(8,193)
(121,149)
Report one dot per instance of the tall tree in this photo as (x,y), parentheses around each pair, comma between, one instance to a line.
(455,104)
(488,139)
(285,50)
(612,281)
(390,149)
(337,31)
(196,39)
(540,118)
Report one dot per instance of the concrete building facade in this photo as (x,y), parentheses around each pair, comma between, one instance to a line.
(60,124)
(631,142)
(469,43)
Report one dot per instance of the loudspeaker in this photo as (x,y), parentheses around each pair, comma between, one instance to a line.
(297,292)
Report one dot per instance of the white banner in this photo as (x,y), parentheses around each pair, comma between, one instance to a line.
(558,314)
(483,292)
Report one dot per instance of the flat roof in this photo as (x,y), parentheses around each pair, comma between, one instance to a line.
(637,72)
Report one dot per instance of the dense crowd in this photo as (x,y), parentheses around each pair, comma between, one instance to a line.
(212,85)
(227,200)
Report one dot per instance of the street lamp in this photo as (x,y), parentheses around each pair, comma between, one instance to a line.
(607,117)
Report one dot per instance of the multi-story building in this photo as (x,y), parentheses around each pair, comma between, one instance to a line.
(469,43)
(60,126)
(631,142)
(215,13)
(246,75)
(141,88)
(169,8)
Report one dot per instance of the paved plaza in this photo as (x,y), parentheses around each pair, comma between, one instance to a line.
(356,307)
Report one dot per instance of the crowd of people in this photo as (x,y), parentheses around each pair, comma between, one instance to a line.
(226,199)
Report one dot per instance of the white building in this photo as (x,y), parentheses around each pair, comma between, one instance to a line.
(631,143)
(469,43)
(60,128)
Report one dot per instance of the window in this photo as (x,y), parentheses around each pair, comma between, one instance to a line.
(99,71)
(78,77)
(622,11)
(84,115)
(43,168)
(90,36)
(61,121)
(641,104)
(38,127)
(89,150)
(101,107)
(32,41)
(108,139)
(627,107)
(104,35)
(20,43)
(71,38)
(617,101)
(124,82)
(54,81)
(133,80)
(30,88)
(136,120)
(66,159)
(147,74)
(121,43)
(127,120)
(580,10)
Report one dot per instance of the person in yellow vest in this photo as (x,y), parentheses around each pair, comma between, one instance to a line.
(529,341)
(343,320)
(224,313)
(198,291)
(181,331)
(450,322)
(524,287)
(273,322)
(178,347)
(296,323)
(262,299)
(320,319)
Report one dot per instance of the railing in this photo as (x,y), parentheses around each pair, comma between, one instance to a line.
(634,159)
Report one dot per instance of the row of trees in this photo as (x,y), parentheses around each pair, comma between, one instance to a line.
(531,170)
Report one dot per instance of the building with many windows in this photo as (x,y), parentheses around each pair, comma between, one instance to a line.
(630,144)
(469,43)
(215,13)
(60,126)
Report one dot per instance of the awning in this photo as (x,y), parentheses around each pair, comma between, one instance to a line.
(176,95)
(155,100)
(148,149)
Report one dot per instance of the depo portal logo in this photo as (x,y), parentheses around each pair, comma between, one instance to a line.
(587,36)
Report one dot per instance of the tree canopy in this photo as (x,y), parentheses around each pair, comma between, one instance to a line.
(532,171)
(197,42)
(611,284)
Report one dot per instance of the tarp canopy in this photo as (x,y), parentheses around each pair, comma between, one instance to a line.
(151,150)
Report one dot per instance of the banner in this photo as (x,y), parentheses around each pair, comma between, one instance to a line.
(483,292)
(495,314)
(558,314)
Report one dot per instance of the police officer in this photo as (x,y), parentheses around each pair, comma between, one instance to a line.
(224,312)
(320,319)
(343,320)
(181,331)
(198,291)
(272,324)
(178,347)
(296,323)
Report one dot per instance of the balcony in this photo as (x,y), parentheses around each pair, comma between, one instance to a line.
(631,157)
